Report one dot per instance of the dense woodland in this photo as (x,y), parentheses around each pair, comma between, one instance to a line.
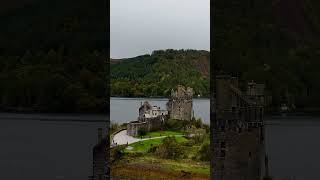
(53,56)
(272,42)
(156,74)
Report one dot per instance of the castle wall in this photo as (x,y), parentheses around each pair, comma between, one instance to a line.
(180,104)
(134,127)
(180,109)
(237,133)
(224,100)
(149,124)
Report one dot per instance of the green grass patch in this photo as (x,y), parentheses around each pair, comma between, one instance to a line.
(144,146)
(161,133)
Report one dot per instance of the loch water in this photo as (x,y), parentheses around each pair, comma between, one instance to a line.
(293,147)
(47,146)
(126,109)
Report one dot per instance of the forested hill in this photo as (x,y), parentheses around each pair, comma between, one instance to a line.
(273,42)
(156,74)
(53,55)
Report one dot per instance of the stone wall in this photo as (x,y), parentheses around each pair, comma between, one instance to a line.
(134,127)
(180,103)
(237,133)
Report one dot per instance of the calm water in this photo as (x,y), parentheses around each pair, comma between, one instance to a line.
(50,147)
(126,109)
(293,147)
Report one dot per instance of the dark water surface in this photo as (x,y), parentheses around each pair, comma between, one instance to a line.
(47,147)
(293,146)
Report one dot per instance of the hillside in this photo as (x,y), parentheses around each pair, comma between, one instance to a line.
(273,42)
(53,56)
(156,74)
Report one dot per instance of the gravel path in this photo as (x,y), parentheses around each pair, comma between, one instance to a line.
(122,138)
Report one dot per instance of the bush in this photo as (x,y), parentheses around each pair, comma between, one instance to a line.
(153,149)
(117,152)
(170,149)
(174,124)
(204,152)
(199,137)
(196,122)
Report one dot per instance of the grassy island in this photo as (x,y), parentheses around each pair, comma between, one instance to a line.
(178,151)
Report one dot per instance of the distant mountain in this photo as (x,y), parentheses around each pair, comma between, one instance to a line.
(156,74)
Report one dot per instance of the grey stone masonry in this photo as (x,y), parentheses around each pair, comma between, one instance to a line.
(180,103)
(238,131)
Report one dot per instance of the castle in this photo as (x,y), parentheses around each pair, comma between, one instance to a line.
(151,118)
(180,103)
(238,131)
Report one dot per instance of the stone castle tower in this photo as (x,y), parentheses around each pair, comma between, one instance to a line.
(180,103)
(237,131)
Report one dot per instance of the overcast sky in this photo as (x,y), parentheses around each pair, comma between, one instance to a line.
(140,26)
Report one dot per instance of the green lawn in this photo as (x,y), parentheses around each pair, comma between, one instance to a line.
(161,133)
(144,146)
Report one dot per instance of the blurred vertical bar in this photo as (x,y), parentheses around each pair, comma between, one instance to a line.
(212,88)
(54,92)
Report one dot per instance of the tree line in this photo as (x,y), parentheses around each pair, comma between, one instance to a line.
(158,73)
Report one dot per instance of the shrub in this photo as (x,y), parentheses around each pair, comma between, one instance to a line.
(117,152)
(170,149)
(174,124)
(204,152)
